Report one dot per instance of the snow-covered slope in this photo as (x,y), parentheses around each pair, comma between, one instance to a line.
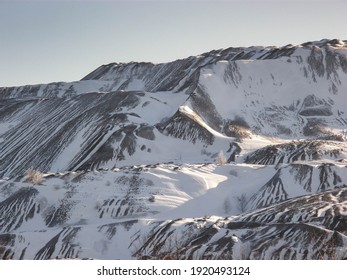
(143,211)
(309,227)
(235,153)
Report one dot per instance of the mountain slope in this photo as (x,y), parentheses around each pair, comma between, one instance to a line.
(295,229)
(131,153)
(134,209)
(287,92)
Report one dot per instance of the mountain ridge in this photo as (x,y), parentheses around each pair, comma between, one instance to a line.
(130,153)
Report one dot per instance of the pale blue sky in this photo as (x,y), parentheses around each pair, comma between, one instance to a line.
(46,41)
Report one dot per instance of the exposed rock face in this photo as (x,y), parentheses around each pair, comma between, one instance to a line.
(128,159)
(183,127)
(298,151)
(11,217)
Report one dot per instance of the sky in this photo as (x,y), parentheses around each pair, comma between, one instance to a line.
(51,41)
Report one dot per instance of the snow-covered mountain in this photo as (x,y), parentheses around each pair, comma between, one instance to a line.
(236,153)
